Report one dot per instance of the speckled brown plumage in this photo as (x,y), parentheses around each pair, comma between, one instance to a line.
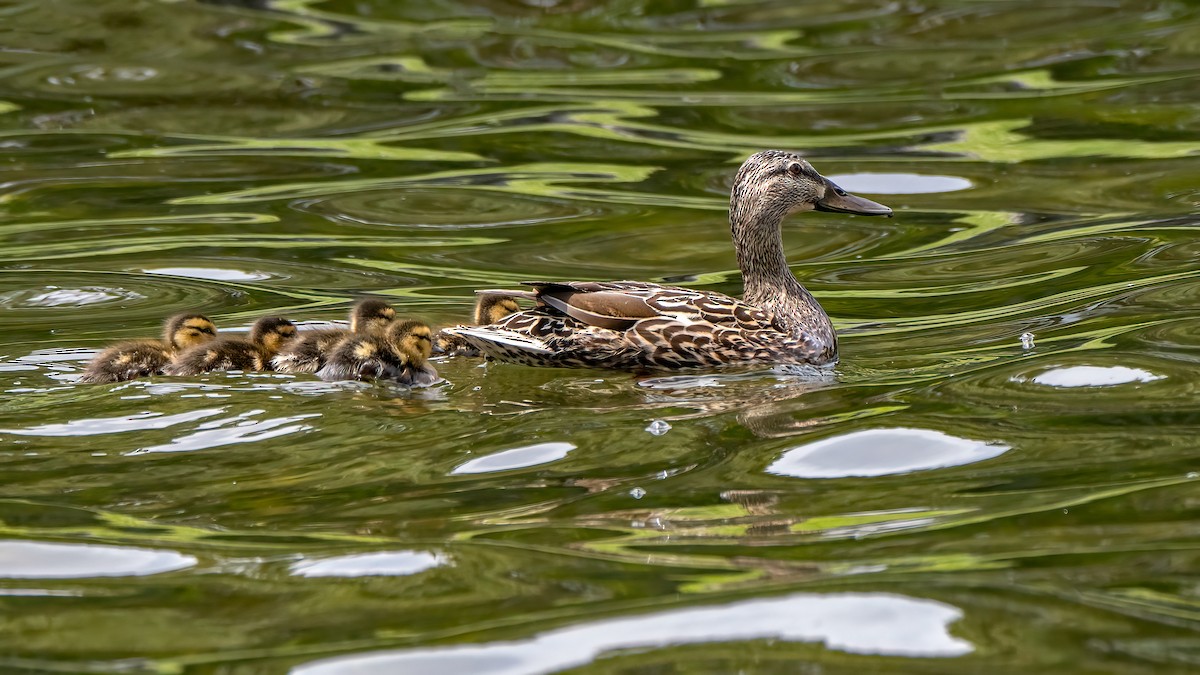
(400,355)
(253,353)
(142,358)
(637,325)
(309,351)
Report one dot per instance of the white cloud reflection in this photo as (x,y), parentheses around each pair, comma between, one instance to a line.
(882,452)
(859,623)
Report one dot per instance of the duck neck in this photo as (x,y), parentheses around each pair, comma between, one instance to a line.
(769,282)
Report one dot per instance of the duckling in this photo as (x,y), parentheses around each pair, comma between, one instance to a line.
(490,308)
(266,337)
(308,352)
(140,358)
(401,355)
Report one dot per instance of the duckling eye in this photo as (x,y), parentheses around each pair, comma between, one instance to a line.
(795,169)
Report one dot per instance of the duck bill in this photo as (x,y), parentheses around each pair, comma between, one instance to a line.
(837,200)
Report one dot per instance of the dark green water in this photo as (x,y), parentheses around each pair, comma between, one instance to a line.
(949,502)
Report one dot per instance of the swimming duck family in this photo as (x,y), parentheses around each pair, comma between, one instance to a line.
(636,325)
(377,346)
(630,325)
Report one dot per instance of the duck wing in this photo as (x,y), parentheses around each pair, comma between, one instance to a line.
(619,305)
(595,304)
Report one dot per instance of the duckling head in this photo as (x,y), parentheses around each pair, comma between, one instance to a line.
(412,339)
(775,183)
(371,316)
(272,333)
(491,307)
(188,330)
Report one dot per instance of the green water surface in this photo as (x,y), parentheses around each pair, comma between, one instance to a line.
(952,499)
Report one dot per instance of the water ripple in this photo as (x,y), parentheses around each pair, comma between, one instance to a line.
(111,425)
(245,158)
(240,428)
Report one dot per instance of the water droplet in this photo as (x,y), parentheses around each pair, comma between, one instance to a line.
(658,427)
(1026,340)
(637,493)
(1193,474)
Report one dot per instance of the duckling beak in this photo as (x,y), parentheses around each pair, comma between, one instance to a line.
(837,200)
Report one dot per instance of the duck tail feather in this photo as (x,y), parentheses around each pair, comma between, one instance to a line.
(528,295)
(493,340)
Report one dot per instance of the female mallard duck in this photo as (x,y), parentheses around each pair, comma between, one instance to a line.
(636,325)
(401,354)
(141,358)
(266,337)
(308,352)
(490,308)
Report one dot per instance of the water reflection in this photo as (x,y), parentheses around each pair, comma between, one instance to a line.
(899,183)
(216,273)
(41,560)
(112,425)
(241,428)
(1093,376)
(859,623)
(383,563)
(516,458)
(71,297)
(880,452)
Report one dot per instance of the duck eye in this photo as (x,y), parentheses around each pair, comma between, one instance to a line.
(840,192)
(795,169)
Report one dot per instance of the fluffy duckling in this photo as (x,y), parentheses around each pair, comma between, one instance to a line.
(267,336)
(401,355)
(308,352)
(140,358)
(490,307)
